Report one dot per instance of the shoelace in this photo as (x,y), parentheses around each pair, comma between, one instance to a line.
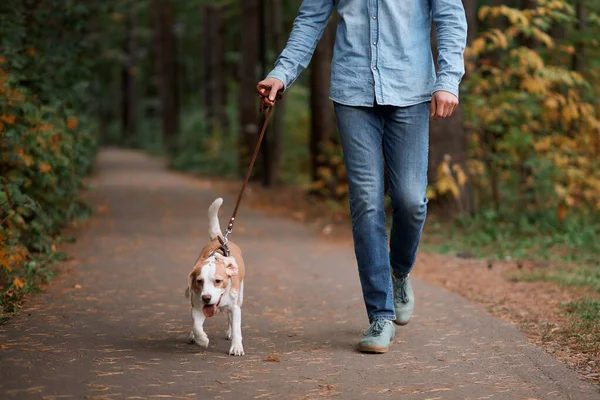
(376,328)
(401,284)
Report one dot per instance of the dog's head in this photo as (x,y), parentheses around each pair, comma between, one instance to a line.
(209,281)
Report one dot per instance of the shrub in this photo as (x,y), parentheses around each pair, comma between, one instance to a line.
(44,155)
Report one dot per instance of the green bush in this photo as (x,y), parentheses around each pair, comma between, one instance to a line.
(44,155)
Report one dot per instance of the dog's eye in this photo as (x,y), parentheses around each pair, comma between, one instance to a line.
(218,281)
(200,282)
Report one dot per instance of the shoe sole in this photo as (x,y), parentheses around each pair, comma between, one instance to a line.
(401,323)
(373,349)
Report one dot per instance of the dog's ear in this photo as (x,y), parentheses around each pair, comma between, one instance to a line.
(192,285)
(231,266)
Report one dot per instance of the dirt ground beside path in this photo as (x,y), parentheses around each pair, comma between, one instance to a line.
(115,327)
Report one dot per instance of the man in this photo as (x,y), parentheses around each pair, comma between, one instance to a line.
(385,89)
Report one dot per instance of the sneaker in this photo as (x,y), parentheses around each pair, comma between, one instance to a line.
(404,300)
(378,337)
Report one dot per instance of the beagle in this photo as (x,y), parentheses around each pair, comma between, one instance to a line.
(215,284)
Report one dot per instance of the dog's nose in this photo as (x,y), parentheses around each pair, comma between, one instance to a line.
(206,298)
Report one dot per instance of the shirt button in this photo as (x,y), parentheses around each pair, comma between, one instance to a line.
(374,43)
(374,17)
(374,67)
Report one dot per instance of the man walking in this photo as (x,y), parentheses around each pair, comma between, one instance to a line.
(385,89)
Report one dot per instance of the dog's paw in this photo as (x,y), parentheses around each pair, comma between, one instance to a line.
(201,340)
(191,337)
(236,349)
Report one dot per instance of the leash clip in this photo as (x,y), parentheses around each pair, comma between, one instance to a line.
(224,248)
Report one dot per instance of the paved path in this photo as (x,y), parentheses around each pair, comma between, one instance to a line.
(122,333)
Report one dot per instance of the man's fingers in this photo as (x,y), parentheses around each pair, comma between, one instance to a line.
(262,89)
(441,110)
(452,109)
(454,106)
(432,107)
(273,93)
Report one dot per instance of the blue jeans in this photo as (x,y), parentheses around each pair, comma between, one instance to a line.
(401,135)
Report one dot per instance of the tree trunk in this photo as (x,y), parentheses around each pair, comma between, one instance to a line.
(214,87)
(129,89)
(470,7)
(166,71)
(448,137)
(207,72)
(218,67)
(323,124)
(275,132)
(248,99)
(265,34)
(578,63)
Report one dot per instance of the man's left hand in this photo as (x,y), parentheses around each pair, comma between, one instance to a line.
(442,104)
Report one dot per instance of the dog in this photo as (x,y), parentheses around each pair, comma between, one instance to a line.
(215,284)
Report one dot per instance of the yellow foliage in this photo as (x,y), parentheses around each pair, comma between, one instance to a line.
(72,123)
(534,85)
(45,167)
(341,189)
(541,113)
(431,193)
(27,160)
(11,258)
(461,177)
(543,37)
(8,119)
(543,145)
(447,182)
(18,283)
(324,172)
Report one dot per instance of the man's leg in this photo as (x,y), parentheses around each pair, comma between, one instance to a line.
(406,146)
(361,132)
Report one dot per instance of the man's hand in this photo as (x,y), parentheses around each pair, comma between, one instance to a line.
(442,105)
(269,90)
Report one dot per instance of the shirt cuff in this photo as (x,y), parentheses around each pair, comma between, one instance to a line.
(446,83)
(279,74)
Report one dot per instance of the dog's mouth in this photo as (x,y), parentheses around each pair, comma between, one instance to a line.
(210,310)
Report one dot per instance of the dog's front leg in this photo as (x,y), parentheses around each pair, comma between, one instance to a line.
(236,348)
(199,336)
(230,324)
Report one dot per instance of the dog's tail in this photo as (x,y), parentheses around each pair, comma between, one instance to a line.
(214,229)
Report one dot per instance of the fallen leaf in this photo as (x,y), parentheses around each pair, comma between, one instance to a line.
(272,358)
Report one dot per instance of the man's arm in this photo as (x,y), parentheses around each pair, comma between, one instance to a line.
(306,32)
(451,31)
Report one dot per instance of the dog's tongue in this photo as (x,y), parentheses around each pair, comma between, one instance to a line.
(209,310)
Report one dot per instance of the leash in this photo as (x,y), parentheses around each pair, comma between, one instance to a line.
(263,105)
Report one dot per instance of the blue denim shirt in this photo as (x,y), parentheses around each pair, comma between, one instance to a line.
(382,49)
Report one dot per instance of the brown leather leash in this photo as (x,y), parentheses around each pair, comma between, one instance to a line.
(263,106)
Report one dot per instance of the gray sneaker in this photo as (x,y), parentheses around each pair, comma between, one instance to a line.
(404,299)
(378,337)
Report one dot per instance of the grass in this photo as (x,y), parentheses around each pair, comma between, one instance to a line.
(584,315)
(570,246)
(565,253)
(579,276)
